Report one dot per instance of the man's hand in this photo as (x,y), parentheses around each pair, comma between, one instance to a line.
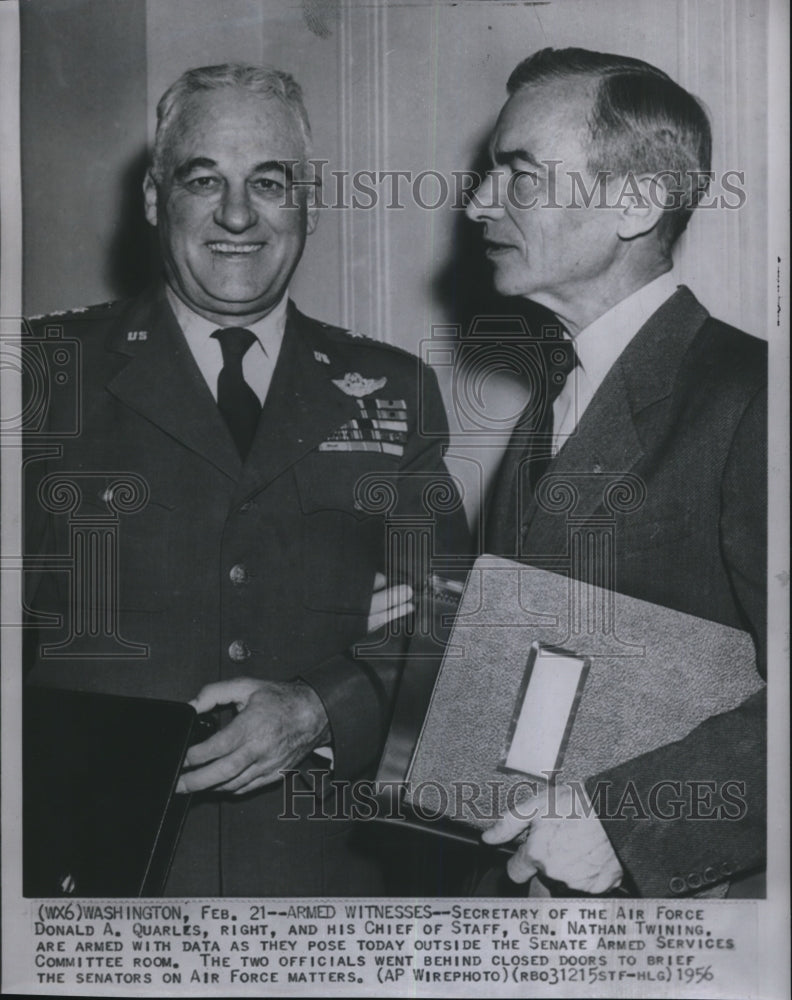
(566,842)
(278,724)
(388,605)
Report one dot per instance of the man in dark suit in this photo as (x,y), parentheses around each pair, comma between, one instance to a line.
(254,467)
(598,162)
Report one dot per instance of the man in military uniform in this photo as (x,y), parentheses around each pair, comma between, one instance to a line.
(270,455)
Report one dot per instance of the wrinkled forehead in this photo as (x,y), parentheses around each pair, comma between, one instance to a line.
(551,115)
(231,124)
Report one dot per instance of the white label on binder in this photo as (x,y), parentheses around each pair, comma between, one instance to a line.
(543,722)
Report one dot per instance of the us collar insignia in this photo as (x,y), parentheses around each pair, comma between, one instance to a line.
(321,358)
(353,384)
(133,335)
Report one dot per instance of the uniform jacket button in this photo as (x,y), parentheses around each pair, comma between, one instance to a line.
(238,651)
(239,574)
(694,880)
(677,884)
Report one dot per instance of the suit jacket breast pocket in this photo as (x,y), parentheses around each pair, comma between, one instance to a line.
(342,530)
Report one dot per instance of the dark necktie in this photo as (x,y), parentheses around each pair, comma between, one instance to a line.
(237,402)
(529,452)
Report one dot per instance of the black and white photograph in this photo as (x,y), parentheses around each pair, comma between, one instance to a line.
(395,497)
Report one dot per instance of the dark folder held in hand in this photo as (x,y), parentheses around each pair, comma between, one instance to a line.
(100,817)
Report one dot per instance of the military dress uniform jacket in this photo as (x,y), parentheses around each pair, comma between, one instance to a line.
(223,568)
(683,411)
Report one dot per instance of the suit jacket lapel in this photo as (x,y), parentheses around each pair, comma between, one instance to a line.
(625,420)
(605,441)
(302,407)
(162,382)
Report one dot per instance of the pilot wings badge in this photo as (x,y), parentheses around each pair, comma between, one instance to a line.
(353,384)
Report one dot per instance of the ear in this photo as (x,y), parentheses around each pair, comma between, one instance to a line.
(150,196)
(641,203)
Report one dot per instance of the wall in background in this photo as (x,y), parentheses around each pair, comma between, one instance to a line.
(389,86)
(83,131)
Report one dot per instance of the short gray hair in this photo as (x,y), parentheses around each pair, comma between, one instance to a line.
(641,122)
(264,80)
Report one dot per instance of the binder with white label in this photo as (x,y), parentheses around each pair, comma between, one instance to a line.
(546,678)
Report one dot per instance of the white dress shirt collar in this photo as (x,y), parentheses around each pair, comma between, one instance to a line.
(600,343)
(259,361)
(598,346)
